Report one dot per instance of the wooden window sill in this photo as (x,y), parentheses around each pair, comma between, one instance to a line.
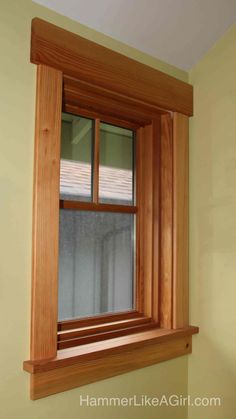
(95,361)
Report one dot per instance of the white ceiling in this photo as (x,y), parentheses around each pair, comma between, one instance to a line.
(176,31)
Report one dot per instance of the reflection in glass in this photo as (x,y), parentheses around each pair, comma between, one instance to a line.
(116,165)
(76,158)
(96,263)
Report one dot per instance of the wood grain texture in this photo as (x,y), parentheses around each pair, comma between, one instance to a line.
(124,105)
(156,218)
(112,107)
(100,328)
(98,337)
(104,85)
(87,61)
(147,194)
(145,219)
(139,285)
(166,258)
(92,114)
(100,319)
(92,206)
(95,350)
(46,213)
(96,153)
(65,378)
(51,382)
(180,229)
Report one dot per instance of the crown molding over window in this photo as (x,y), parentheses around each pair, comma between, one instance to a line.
(89,62)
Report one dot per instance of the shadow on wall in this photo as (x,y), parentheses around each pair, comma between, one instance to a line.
(218,367)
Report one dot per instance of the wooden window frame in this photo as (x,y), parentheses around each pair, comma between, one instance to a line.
(86,79)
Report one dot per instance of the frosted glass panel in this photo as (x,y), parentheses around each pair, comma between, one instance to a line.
(96,263)
(76,158)
(116,165)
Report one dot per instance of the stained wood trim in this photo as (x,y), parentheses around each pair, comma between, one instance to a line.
(96,153)
(166,221)
(139,285)
(144,253)
(46,213)
(110,334)
(180,229)
(86,61)
(88,352)
(146,238)
(110,107)
(146,96)
(148,218)
(97,98)
(156,218)
(50,382)
(92,206)
(100,328)
(98,320)
(92,114)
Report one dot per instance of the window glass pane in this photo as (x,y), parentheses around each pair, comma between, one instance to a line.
(76,158)
(96,263)
(116,165)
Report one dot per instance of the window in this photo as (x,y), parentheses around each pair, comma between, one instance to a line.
(110,215)
(96,248)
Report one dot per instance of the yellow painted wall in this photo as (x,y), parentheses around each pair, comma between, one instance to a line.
(17,99)
(212,367)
